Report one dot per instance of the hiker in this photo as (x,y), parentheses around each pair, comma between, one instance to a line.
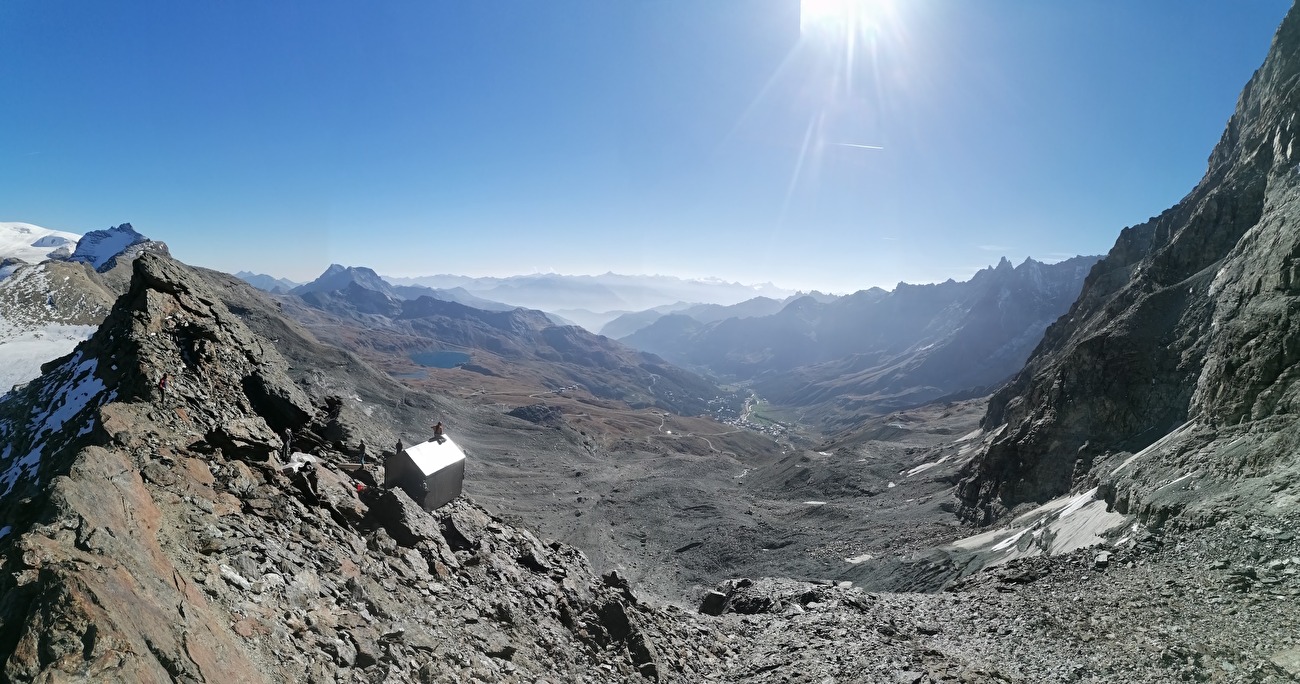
(162,386)
(363,454)
(308,481)
(288,444)
(437,432)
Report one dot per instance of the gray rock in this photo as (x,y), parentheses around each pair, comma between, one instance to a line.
(366,641)
(405,520)
(1101,560)
(1288,660)
(234,578)
(714,603)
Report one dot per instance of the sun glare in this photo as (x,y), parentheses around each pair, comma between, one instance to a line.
(841,16)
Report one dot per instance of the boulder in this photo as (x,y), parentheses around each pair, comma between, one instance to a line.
(404,519)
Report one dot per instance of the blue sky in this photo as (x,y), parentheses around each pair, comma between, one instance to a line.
(681,137)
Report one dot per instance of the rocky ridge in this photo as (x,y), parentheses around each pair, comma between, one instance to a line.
(153,535)
(1181,348)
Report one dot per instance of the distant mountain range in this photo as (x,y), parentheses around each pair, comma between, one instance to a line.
(834,359)
(629,323)
(338,277)
(267,283)
(587,301)
(403,321)
(875,351)
(610,292)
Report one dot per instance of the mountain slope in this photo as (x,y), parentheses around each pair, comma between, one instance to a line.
(45,310)
(154,537)
(1183,343)
(520,342)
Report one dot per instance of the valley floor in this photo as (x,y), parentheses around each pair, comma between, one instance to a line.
(677,521)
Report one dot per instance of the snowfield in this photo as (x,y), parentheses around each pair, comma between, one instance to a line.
(23,351)
(33,244)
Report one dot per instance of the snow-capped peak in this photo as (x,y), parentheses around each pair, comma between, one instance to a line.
(98,247)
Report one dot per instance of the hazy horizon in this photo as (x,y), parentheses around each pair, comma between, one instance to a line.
(866,143)
(702,280)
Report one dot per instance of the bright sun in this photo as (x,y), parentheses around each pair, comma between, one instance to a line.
(839,16)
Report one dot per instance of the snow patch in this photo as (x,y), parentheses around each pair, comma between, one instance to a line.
(59,403)
(30,243)
(1010,541)
(22,352)
(926,466)
(1058,526)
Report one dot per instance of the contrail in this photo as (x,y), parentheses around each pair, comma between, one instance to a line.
(865,147)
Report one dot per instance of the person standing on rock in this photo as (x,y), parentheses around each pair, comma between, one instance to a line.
(288,444)
(308,481)
(162,387)
(437,433)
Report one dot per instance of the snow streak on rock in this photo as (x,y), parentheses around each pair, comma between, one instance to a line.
(57,403)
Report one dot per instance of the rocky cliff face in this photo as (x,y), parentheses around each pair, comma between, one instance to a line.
(1190,317)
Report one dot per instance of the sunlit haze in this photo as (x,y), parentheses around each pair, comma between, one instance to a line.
(822,144)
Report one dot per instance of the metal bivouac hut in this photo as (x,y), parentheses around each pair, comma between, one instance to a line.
(430,472)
